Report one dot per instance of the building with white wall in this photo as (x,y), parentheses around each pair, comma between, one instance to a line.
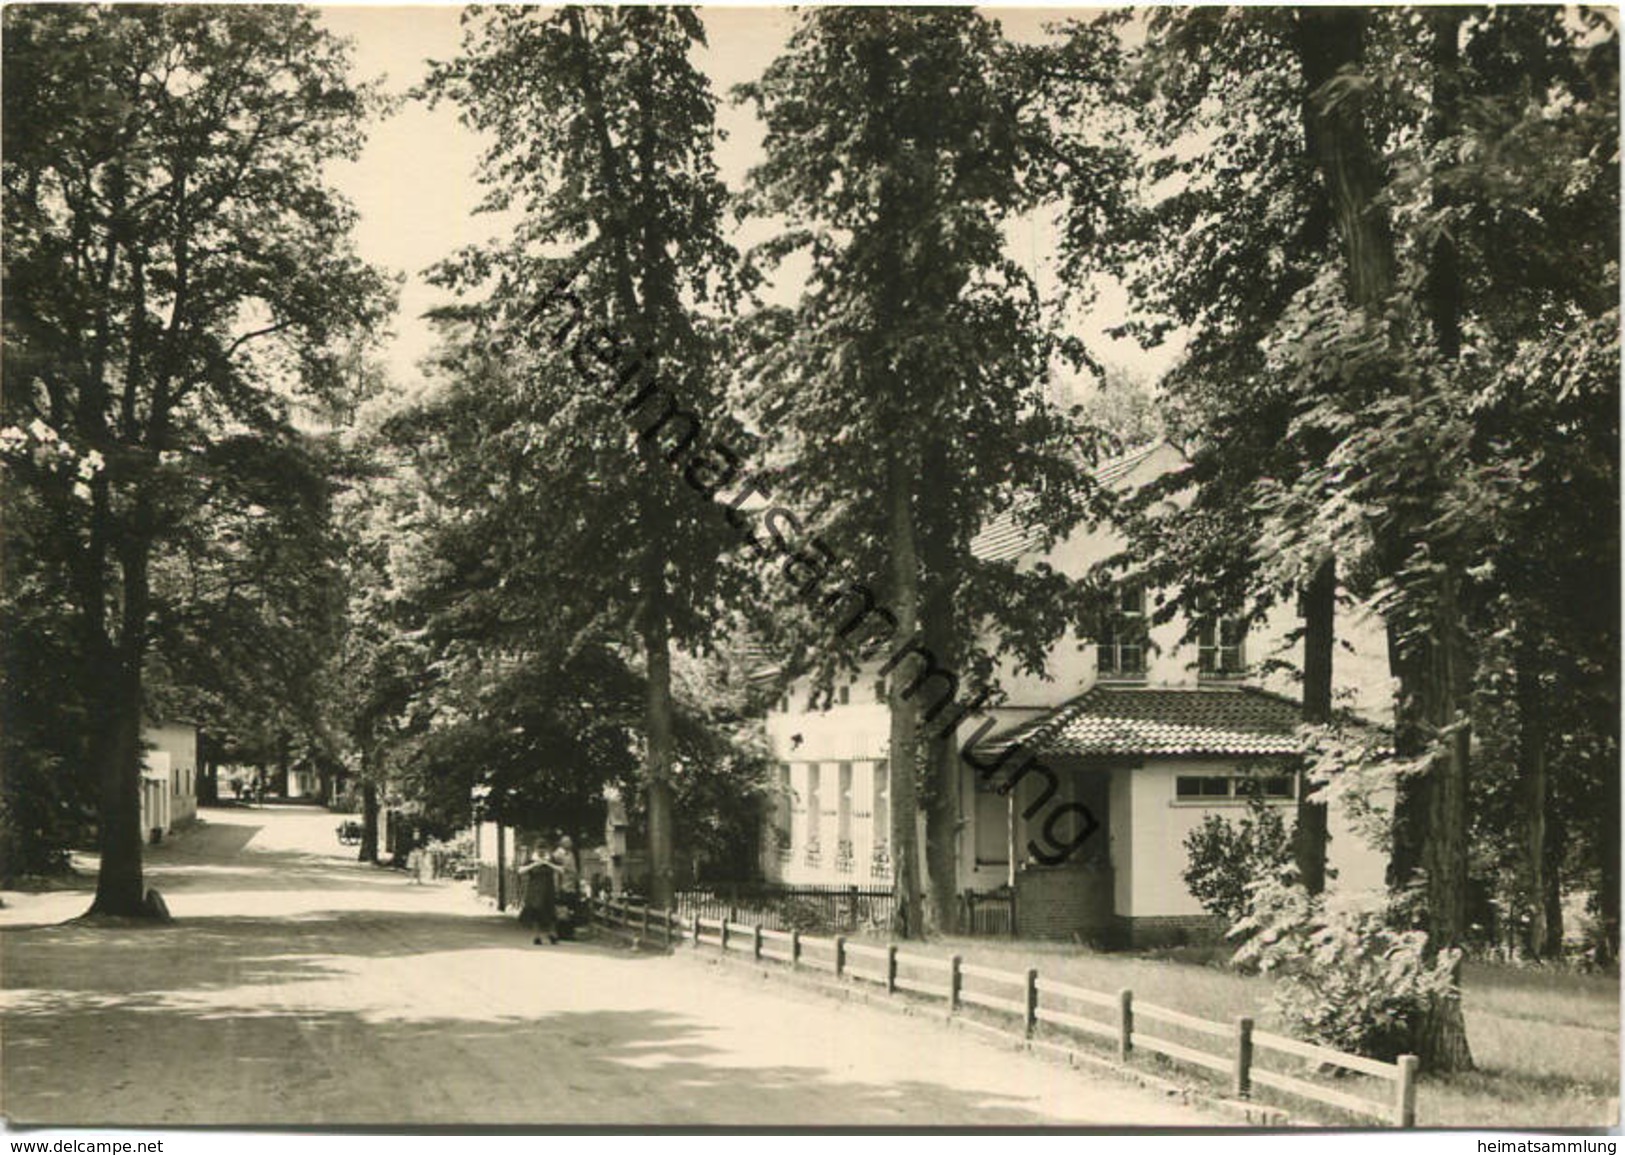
(168,777)
(1092,775)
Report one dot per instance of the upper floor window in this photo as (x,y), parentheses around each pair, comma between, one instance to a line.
(1219,652)
(1121,650)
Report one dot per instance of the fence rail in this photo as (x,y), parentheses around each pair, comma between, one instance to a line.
(1033,1000)
(845,909)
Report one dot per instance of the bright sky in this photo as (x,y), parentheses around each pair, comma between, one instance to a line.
(415,189)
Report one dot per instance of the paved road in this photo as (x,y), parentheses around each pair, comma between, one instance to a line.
(298,988)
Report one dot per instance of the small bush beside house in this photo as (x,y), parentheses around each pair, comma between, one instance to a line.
(1344,976)
(1225,859)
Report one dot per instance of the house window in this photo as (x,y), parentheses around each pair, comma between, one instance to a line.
(1231,787)
(992,828)
(815,815)
(843,819)
(880,856)
(1193,788)
(783,806)
(1218,648)
(1121,649)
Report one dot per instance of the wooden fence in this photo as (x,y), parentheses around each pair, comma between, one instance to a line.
(807,908)
(988,914)
(1111,1018)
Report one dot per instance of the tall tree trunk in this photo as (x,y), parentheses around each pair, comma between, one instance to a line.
(1330,40)
(1319,641)
(369,821)
(1533,800)
(119,883)
(279,781)
(1450,676)
(658,729)
(901,761)
(1443,1046)
(943,817)
(943,826)
(1430,663)
(115,700)
(636,250)
(1551,898)
(944,769)
(1608,896)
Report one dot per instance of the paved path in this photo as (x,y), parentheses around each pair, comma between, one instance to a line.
(298,988)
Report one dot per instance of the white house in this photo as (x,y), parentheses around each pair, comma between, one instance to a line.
(169,777)
(1115,756)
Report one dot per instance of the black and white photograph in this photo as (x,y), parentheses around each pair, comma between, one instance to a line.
(653,570)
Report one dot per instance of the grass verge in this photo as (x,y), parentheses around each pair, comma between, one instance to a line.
(1546,1040)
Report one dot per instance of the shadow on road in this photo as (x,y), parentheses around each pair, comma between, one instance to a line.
(572,1067)
(296,988)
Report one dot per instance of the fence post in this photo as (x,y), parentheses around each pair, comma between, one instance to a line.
(1125,1023)
(1405,1093)
(696,930)
(852,906)
(723,937)
(502,871)
(840,955)
(1032,1001)
(645,932)
(756,942)
(1241,1085)
(956,982)
(665,930)
(891,969)
(795,950)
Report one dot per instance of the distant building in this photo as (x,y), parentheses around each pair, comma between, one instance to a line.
(304,782)
(1134,738)
(169,777)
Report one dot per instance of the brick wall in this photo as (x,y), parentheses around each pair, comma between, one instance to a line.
(1062,901)
(1169,930)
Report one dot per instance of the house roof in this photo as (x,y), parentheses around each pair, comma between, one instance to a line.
(1009,535)
(1135,720)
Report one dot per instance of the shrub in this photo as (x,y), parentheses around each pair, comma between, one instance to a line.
(1344,976)
(1224,859)
(804,915)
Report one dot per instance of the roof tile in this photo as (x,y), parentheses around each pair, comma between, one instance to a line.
(1226,720)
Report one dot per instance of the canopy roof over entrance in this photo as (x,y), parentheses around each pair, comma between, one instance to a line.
(1119,720)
